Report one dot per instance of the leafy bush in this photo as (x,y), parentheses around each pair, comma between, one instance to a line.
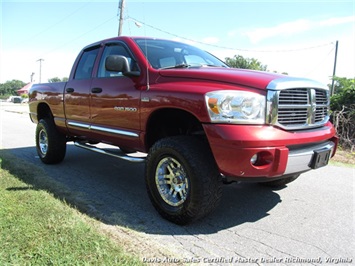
(342,105)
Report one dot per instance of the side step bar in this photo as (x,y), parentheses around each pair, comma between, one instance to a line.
(119,155)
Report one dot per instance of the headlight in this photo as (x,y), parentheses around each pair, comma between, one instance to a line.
(240,107)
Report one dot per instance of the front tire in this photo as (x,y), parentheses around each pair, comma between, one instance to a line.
(182,179)
(50,143)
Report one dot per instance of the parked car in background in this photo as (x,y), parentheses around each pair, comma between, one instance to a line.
(14,99)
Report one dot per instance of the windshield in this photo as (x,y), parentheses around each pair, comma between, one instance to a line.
(163,54)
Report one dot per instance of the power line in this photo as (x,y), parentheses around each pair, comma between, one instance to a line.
(321,61)
(232,48)
(80,36)
(29,39)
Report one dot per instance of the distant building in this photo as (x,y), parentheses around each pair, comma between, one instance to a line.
(25,89)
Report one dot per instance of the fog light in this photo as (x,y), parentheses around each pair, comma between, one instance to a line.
(262,158)
(254,159)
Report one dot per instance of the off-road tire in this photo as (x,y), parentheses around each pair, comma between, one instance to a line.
(200,189)
(50,143)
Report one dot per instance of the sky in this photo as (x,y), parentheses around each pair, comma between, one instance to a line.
(297,37)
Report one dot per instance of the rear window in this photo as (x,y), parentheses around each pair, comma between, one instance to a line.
(86,64)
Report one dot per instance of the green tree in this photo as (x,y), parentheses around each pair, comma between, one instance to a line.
(10,87)
(239,61)
(56,79)
(344,93)
(342,105)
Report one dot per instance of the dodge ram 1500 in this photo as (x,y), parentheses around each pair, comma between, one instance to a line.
(199,122)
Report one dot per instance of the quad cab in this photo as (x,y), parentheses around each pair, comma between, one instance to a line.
(200,122)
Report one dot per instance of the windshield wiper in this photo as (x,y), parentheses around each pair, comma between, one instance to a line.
(177,66)
(183,65)
(214,66)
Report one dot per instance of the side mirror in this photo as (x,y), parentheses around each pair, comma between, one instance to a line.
(119,63)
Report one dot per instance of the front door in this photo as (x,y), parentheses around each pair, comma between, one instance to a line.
(115,102)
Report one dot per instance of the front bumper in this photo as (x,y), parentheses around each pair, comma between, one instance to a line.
(300,160)
(283,152)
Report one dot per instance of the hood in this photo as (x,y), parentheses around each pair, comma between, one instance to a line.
(249,78)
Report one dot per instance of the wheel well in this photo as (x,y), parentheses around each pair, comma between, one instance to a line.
(43,111)
(172,122)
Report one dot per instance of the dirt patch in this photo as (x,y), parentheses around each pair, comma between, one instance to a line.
(346,157)
(141,245)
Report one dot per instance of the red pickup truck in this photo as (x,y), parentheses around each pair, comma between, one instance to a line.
(199,122)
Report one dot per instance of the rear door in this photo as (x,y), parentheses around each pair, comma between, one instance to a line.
(115,100)
(77,93)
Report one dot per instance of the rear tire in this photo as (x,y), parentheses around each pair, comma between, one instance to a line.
(50,143)
(182,179)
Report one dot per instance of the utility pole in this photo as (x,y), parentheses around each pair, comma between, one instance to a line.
(32,76)
(334,68)
(40,68)
(121,8)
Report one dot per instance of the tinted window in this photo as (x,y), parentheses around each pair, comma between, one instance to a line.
(114,49)
(86,64)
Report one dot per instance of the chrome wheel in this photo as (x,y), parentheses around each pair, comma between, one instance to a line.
(50,143)
(171,181)
(43,142)
(182,179)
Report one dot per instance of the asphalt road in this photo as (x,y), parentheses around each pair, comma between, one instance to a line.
(310,222)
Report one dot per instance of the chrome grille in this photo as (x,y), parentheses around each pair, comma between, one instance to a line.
(321,97)
(322,105)
(298,108)
(294,96)
(292,116)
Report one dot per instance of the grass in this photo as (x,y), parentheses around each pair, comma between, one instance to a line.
(38,229)
(343,158)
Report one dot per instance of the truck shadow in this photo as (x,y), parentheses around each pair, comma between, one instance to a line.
(113,191)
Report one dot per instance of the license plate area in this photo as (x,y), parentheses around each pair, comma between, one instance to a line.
(320,158)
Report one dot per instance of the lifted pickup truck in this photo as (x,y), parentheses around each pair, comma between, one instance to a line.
(199,121)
